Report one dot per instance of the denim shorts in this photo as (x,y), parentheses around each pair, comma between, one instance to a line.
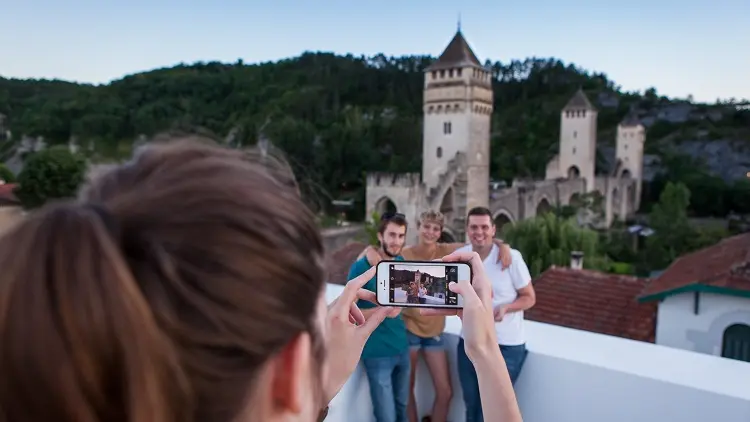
(427,343)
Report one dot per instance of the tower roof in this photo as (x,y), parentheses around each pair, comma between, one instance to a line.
(631,120)
(579,102)
(457,54)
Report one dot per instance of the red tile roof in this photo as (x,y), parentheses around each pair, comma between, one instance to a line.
(339,261)
(594,301)
(6,194)
(721,268)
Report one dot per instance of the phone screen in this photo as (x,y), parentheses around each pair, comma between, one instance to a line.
(414,284)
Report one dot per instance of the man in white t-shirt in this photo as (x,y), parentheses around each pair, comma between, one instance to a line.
(512,293)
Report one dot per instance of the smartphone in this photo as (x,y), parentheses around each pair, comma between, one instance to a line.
(420,284)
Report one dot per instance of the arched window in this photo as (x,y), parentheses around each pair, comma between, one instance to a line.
(736,342)
(439,152)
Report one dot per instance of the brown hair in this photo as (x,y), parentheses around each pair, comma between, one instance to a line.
(479,211)
(436,217)
(160,294)
(391,218)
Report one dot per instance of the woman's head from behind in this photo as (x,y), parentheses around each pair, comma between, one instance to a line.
(430,227)
(179,288)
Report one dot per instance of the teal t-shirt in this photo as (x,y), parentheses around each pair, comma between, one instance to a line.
(389,339)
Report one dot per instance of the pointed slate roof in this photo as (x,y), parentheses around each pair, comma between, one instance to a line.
(457,54)
(579,102)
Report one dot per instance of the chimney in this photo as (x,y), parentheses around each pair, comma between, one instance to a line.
(576,260)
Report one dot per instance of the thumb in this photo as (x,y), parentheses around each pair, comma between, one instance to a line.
(465,289)
(374,320)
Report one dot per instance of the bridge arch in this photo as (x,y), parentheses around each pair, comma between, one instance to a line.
(502,218)
(626,174)
(543,206)
(574,172)
(385,205)
(446,204)
(448,236)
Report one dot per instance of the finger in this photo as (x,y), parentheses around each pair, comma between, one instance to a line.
(480,282)
(364,294)
(352,320)
(356,314)
(394,312)
(349,294)
(438,312)
(374,321)
(467,291)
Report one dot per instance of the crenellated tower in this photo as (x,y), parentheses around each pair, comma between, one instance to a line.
(577,156)
(458,103)
(630,142)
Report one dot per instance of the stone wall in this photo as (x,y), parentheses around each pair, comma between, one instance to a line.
(335,238)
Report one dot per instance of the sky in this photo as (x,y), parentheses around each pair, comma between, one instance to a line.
(433,270)
(687,47)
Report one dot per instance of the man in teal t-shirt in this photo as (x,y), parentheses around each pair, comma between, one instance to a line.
(386,353)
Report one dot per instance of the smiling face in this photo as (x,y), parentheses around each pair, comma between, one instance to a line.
(481,230)
(429,232)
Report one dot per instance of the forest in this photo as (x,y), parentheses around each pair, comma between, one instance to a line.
(338,117)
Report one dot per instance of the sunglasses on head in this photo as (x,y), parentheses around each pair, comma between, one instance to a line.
(391,215)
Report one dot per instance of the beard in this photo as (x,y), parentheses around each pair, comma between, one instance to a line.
(389,253)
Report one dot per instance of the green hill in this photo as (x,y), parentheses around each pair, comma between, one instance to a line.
(337,117)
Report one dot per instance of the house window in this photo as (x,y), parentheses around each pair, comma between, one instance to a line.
(447,128)
(439,152)
(736,342)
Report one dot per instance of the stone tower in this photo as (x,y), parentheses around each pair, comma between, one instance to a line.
(631,137)
(457,110)
(578,140)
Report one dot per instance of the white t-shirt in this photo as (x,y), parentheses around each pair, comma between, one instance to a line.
(505,286)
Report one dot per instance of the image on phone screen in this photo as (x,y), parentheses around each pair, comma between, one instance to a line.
(422,284)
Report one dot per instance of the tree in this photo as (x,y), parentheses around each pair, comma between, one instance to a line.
(548,240)
(673,233)
(6,175)
(52,173)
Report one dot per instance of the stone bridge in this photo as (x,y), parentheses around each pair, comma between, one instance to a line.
(527,199)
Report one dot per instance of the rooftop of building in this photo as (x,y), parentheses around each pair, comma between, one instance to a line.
(594,301)
(722,268)
(458,53)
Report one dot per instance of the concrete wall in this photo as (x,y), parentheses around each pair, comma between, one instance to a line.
(577,376)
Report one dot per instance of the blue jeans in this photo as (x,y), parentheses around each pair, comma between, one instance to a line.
(425,343)
(389,386)
(514,357)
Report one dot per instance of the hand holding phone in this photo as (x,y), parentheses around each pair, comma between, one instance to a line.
(420,284)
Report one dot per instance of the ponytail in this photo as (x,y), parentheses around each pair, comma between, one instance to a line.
(78,339)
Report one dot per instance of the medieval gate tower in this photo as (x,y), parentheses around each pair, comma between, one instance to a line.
(457,113)
(457,109)
(455,176)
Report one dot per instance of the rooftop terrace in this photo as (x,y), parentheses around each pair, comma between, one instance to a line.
(579,376)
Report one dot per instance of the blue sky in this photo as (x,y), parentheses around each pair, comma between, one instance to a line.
(696,47)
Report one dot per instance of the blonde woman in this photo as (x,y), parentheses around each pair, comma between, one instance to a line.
(425,333)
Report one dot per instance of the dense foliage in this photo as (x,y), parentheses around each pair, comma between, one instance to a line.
(335,117)
(549,240)
(53,173)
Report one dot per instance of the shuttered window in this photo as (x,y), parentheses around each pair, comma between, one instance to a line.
(736,343)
